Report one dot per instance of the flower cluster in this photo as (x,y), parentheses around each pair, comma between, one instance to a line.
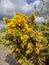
(23,39)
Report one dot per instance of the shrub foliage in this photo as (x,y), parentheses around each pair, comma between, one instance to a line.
(28,41)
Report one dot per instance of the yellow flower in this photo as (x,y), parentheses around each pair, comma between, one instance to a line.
(28,51)
(5,19)
(48,44)
(17,13)
(30,46)
(29,29)
(9,30)
(26,25)
(23,20)
(24,38)
(37,51)
(40,37)
(11,46)
(32,16)
(39,47)
(12,50)
(11,24)
(43,39)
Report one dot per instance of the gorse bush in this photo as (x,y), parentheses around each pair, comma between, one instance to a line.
(26,39)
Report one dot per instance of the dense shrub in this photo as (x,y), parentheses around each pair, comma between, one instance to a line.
(27,40)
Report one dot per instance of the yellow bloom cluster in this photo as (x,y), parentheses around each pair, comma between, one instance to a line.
(22,37)
(28,51)
(5,19)
(29,48)
(11,46)
(38,36)
(39,47)
(32,16)
(12,50)
(17,21)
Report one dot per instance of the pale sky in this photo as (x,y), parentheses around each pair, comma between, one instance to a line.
(9,7)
